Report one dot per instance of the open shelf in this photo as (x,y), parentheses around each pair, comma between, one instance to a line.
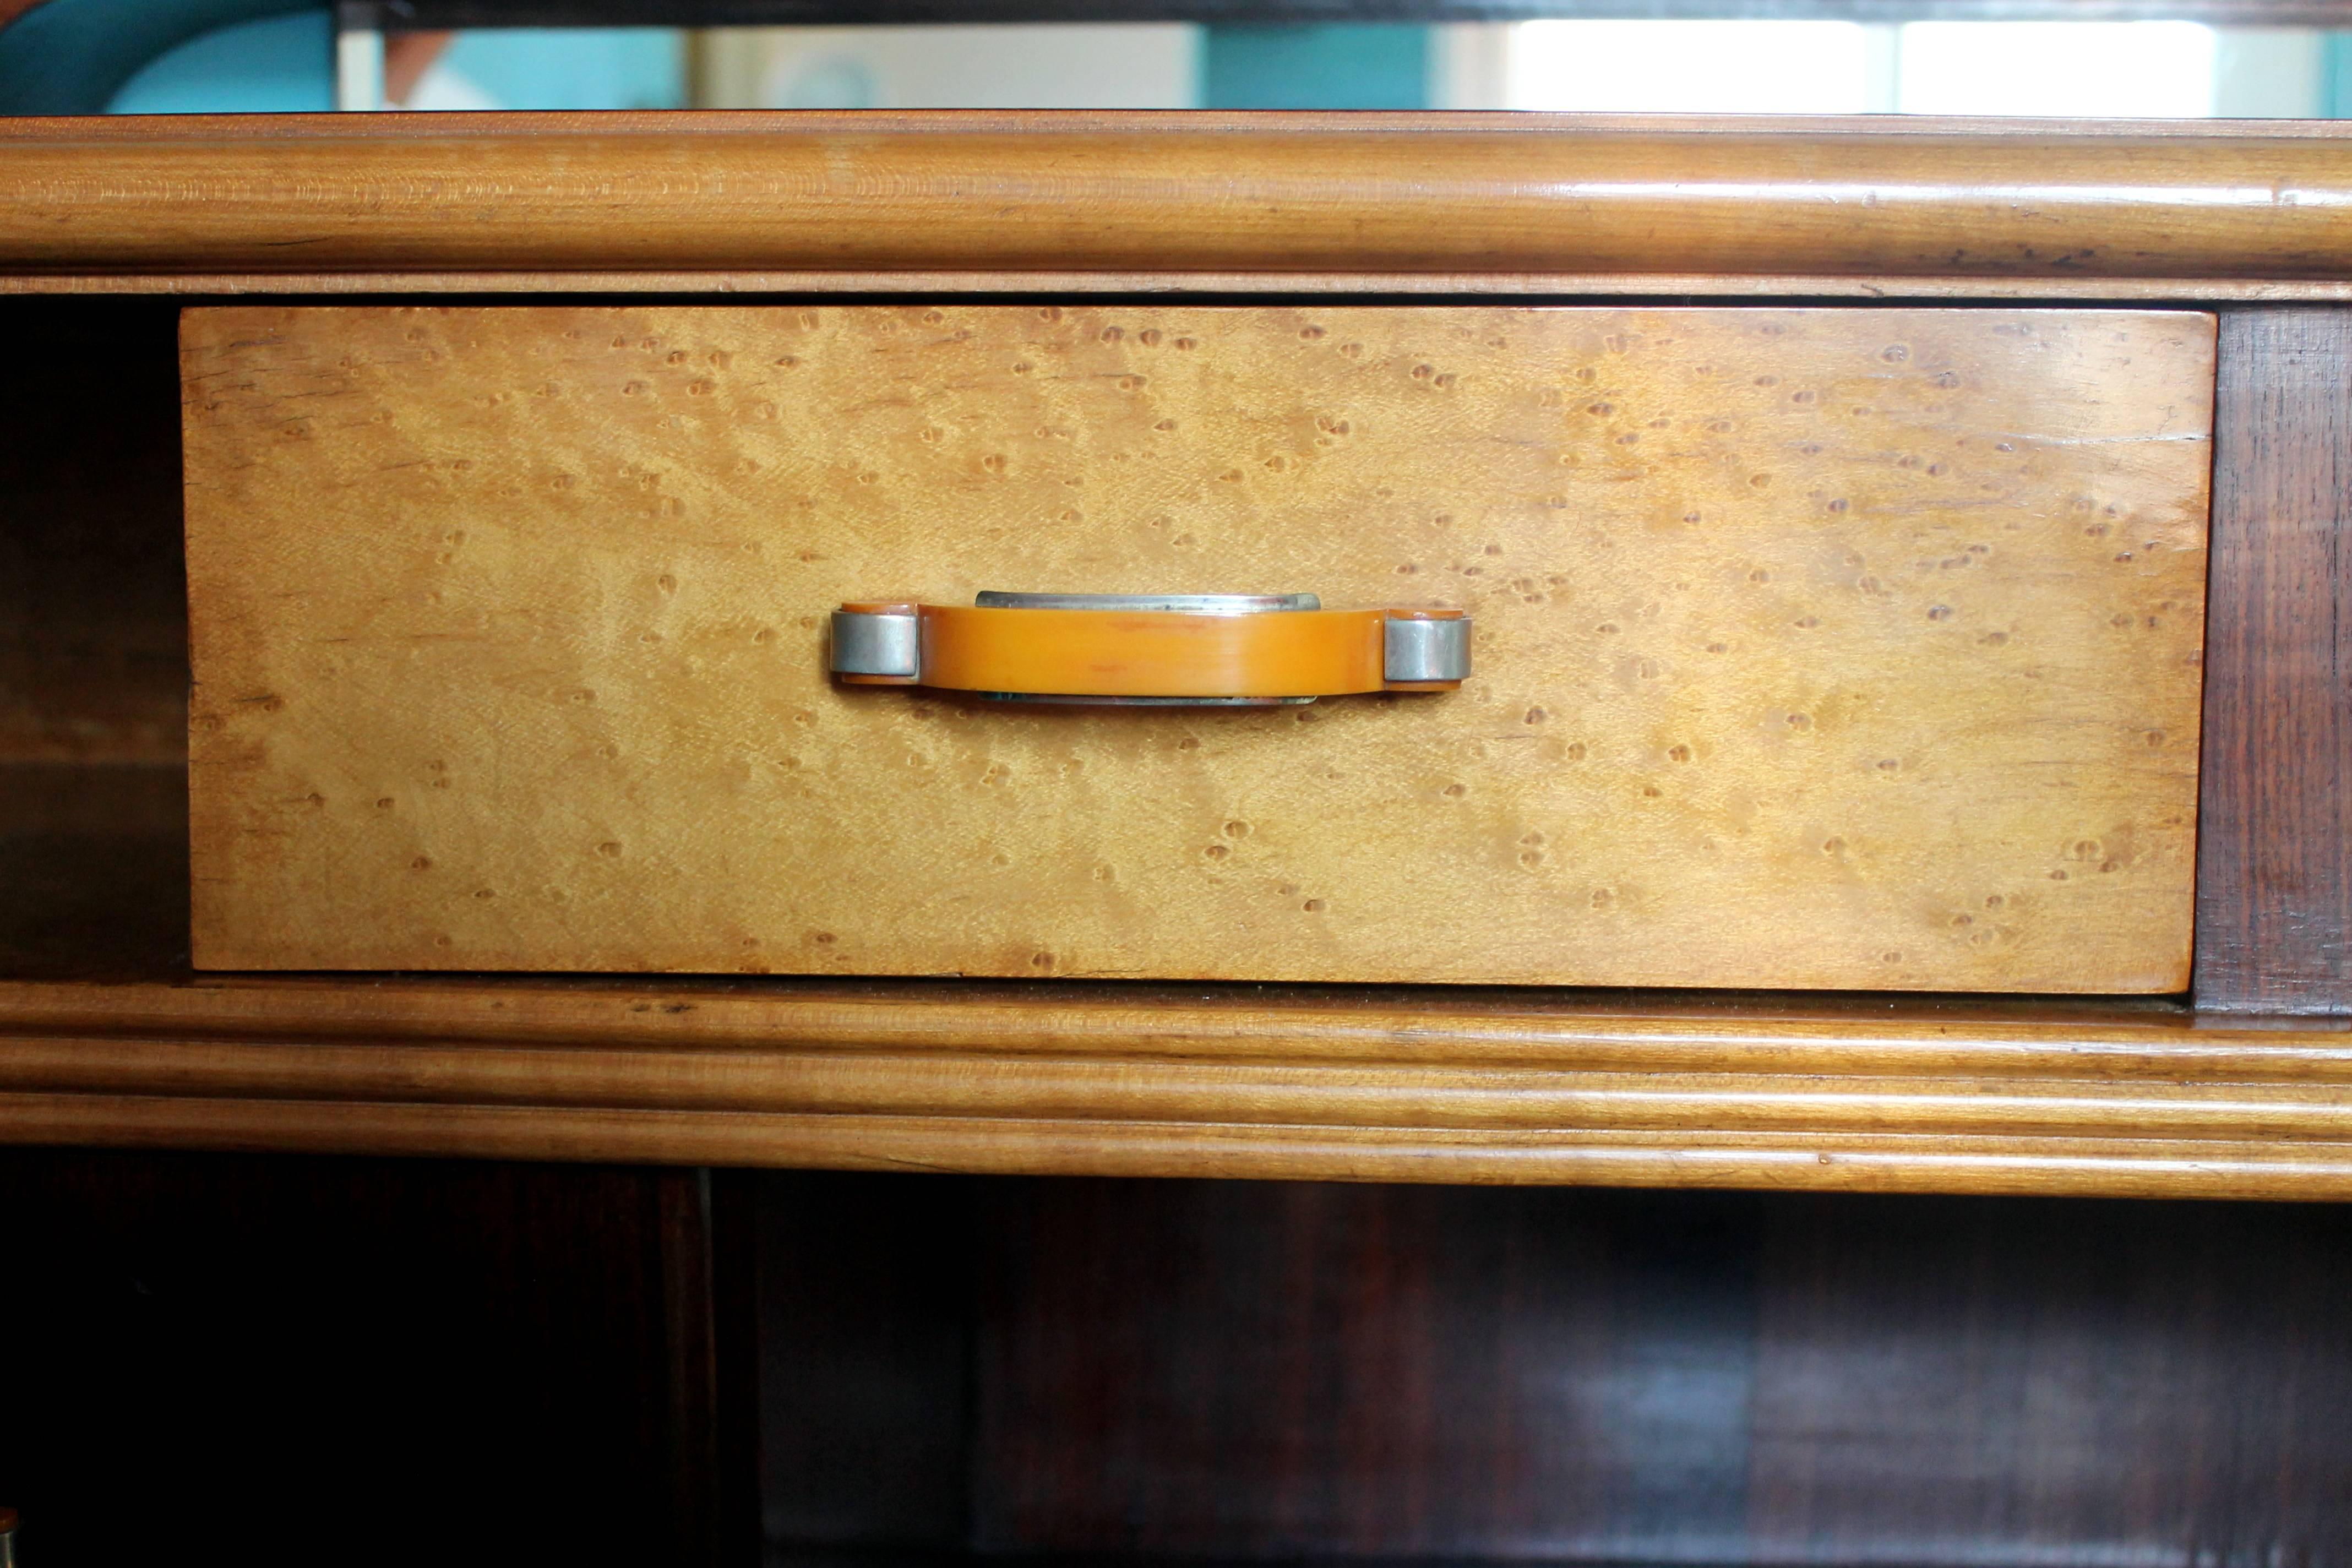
(868,1370)
(1040,1375)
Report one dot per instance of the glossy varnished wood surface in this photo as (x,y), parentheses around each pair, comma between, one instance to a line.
(2275,891)
(735,196)
(1242,1372)
(964,1101)
(1226,1373)
(1062,286)
(1814,649)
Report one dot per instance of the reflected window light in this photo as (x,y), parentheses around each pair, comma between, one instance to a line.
(1692,68)
(998,64)
(2122,70)
(826,82)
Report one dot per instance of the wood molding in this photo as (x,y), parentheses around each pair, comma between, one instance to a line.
(1289,195)
(1860,1094)
(1527,288)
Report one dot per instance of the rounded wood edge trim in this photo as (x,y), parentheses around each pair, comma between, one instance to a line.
(1532,287)
(945,1085)
(877,194)
(1789,1035)
(2073,1167)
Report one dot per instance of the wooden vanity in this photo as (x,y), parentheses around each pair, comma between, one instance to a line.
(2000,466)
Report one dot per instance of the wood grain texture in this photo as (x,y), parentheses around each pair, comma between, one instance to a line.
(1230,1373)
(1304,194)
(2274,886)
(1815,649)
(1552,287)
(1066,1078)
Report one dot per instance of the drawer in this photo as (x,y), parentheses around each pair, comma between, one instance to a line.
(1847,648)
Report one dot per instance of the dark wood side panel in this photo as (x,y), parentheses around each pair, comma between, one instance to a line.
(2274,865)
(93,869)
(1252,1371)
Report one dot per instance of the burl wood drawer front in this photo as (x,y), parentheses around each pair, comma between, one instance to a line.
(1838,648)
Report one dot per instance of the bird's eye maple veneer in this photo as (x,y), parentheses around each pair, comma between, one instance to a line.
(1832,647)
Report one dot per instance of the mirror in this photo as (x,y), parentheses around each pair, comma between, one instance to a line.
(2109,70)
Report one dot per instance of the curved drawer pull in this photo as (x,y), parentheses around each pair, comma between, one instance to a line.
(1191,649)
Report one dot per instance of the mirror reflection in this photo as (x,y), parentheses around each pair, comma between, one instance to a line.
(2103,69)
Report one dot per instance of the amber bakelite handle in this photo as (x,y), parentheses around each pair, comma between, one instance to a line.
(1285,648)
